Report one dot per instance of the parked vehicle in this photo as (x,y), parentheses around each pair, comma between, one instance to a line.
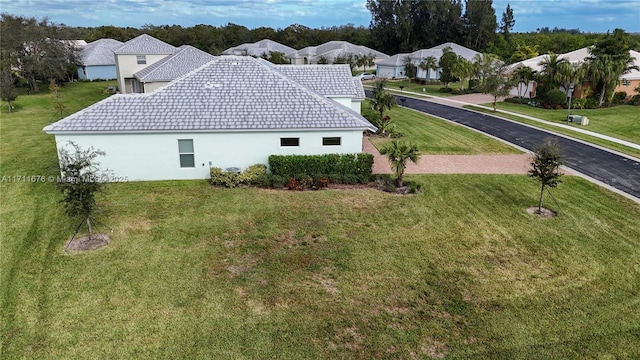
(366,76)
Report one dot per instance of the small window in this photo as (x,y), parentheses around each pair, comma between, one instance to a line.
(331,141)
(141,59)
(289,141)
(185,148)
(626,82)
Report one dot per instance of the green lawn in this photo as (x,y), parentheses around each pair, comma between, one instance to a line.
(437,136)
(621,121)
(460,270)
(625,117)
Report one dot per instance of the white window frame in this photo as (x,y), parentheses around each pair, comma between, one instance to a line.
(325,138)
(282,139)
(141,59)
(192,153)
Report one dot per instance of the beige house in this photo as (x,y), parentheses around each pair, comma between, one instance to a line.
(135,55)
(185,59)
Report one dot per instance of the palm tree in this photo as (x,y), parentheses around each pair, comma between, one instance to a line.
(462,69)
(524,75)
(410,69)
(602,71)
(429,63)
(382,99)
(571,74)
(398,154)
(482,65)
(550,65)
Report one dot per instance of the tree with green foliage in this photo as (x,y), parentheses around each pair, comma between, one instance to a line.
(382,100)
(482,65)
(410,69)
(480,23)
(497,83)
(545,166)
(323,60)
(463,70)
(507,23)
(523,75)
(609,59)
(447,62)
(81,179)
(277,57)
(548,77)
(57,99)
(427,64)
(398,154)
(524,52)
(8,91)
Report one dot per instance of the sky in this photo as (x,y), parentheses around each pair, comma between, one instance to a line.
(586,15)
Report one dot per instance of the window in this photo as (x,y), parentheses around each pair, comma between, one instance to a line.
(185,148)
(626,82)
(331,141)
(289,141)
(141,59)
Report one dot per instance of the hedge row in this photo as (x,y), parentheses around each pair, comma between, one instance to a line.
(288,166)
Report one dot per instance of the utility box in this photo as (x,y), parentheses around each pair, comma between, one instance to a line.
(575,119)
(585,121)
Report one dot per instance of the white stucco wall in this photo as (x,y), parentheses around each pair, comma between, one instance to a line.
(127,65)
(152,86)
(155,156)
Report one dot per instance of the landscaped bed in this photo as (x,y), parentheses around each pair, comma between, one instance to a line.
(459,270)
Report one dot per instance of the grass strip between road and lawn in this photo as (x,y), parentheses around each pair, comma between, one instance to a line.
(459,270)
(435,136)
(574,134)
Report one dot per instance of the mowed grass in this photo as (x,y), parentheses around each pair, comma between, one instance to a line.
(459,270)
(436,136)
(433,90)
(631,118)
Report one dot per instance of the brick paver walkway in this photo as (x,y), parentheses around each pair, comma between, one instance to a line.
(453,164)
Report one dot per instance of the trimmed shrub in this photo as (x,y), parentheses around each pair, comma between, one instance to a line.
(578,103)
(223,178)
(446,90)
(591,103)
(292,166)
(251,174)
(555,97)
(619,98)
(635,100)
(473,83)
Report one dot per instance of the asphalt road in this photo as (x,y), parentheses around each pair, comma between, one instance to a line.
(617,171)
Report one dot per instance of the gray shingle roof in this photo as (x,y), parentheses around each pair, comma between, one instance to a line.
(145,44)
(323,79)
(228,93)
(332,49)
(185,60)
(395,60)
(99,52)
(258,48)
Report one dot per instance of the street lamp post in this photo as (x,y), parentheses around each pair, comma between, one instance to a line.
(571,87)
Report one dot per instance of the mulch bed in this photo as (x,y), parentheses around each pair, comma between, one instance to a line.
(545,213)
(85,243)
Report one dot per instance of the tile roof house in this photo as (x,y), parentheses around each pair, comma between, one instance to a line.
(135,55)
(97,60)
(258,49)
(628,82)
(160,73)
(394,66)
(330,50)
(332,81)
(210,117)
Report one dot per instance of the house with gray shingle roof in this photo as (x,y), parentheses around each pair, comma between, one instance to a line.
(231,112)
(160,73)
(259,49)
(329,51)
(97,60)
(332,81)
(135,55)
(393,67)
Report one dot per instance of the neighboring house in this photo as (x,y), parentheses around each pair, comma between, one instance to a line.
(393,68)
(259,49)
(628,82)
(232,112)
(332,81)
(160,73)
(98,61)
(330,50)
(135,55)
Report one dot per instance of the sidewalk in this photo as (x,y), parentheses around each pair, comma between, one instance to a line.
(477,99)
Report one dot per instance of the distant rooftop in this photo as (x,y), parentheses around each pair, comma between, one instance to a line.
(258,48)
(99,52)
(145,44)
